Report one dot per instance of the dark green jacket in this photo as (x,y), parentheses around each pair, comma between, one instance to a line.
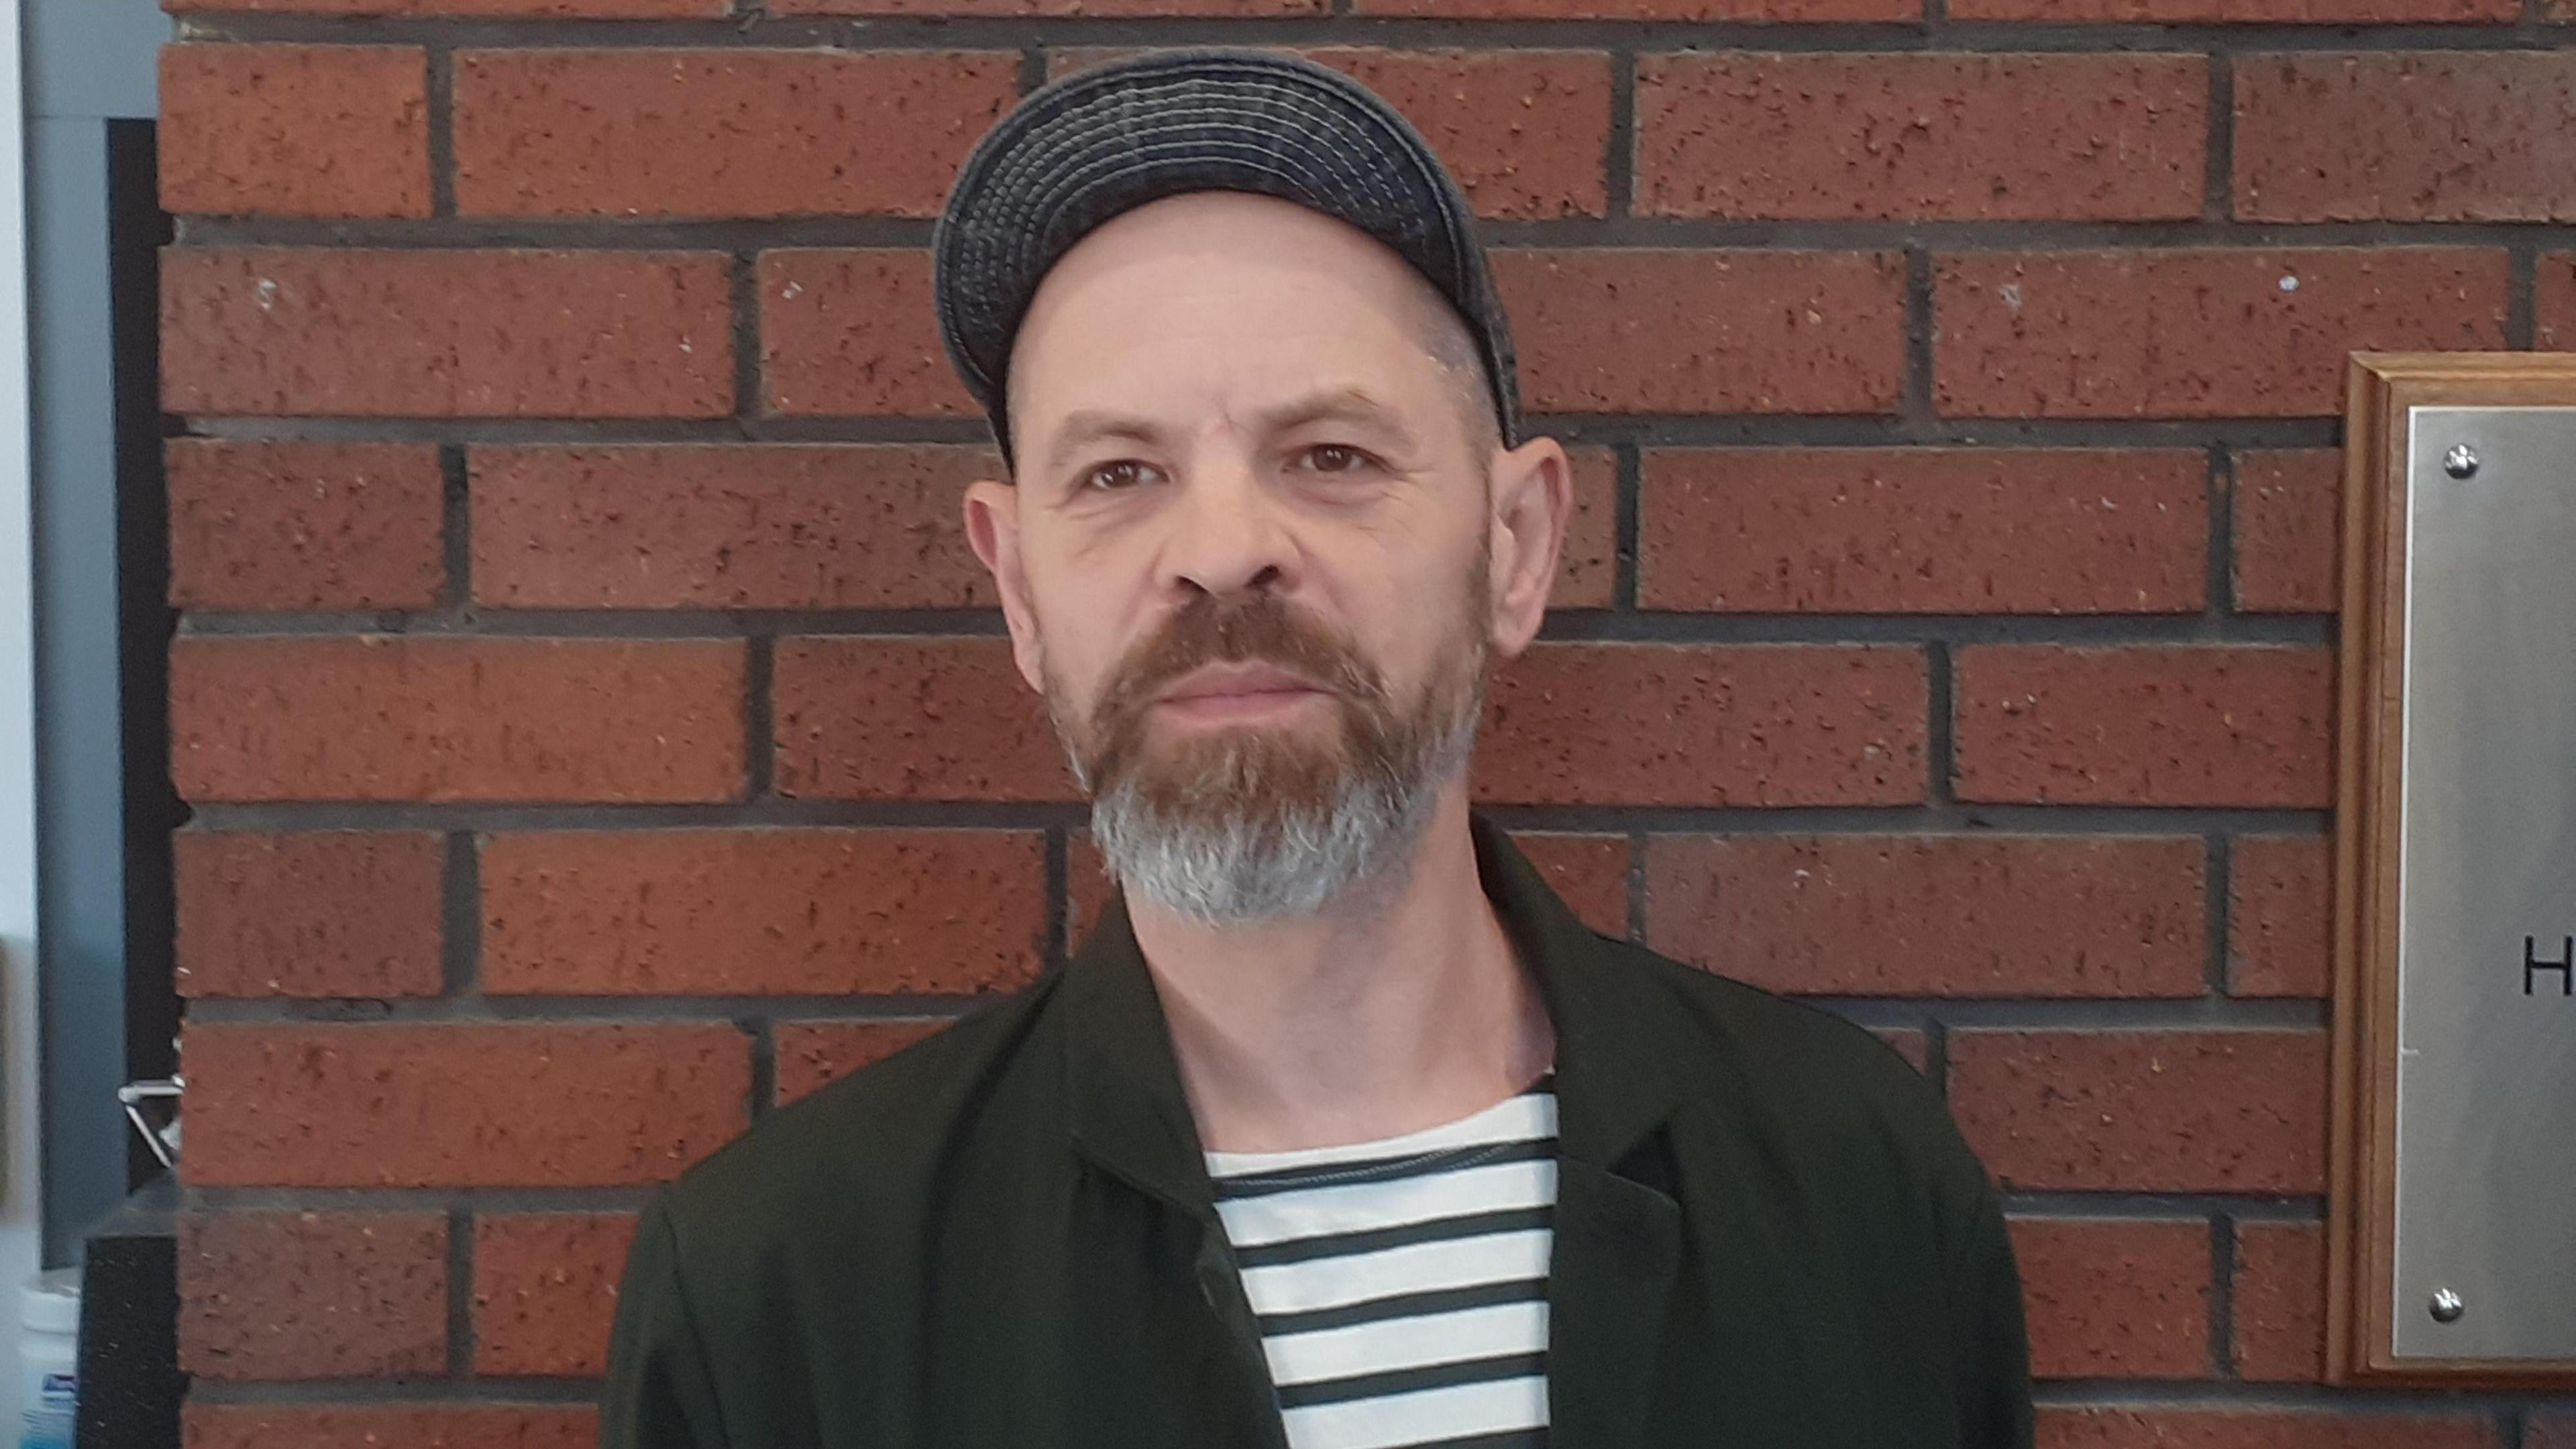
(1768,1235)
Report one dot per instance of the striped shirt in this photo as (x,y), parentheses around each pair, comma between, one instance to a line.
(1401,1285)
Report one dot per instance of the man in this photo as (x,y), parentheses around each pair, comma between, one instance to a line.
(1339,1132)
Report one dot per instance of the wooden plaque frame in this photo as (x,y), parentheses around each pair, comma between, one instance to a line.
(2383,389)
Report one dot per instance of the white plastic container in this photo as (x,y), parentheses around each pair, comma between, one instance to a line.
(48,1357)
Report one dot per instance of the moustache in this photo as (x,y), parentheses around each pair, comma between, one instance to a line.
(1263,628)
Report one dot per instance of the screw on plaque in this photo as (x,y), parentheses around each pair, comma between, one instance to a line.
(2461,461)
(2447,1306)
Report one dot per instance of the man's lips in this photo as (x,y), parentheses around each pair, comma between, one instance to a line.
(1224,690)
(1216,680)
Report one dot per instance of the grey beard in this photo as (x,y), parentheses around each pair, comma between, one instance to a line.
(1225,867)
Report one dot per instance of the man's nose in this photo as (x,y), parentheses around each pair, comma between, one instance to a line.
(1227,534)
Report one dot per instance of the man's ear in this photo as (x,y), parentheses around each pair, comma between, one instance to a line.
(993,529)
(1533,502)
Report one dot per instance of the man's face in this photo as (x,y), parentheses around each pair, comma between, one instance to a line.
(1250,555)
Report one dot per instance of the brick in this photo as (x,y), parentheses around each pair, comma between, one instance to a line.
(2144,1111)
(2194,332)
(2392,136)
(2115,1297)
(2280,1301)
(545,1287)
(814,1053)
(527,9)
(1087,886)
(468,1105)
(887,718)
(1647,331)
(1088,9)
(741,912)
(438,334)
(390,1426)
(1702,10)
(1961,915)
(1587,570)
(1949,137)
(295,130)
(1922,530)
(294,525)
(2145,725)
(853,332)
(2553,302)
(2110,1428)
(281,1295)
(1589,872)
(2288,508)
(1526,132)
(323,913)
(1734,725)
(2278,928)
(628,133)
(1909,1042)
(2249,12)
(734,526)
(419,717)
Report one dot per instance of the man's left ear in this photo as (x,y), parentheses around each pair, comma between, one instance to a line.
(1533,502)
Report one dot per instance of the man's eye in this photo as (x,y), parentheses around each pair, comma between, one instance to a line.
(1116,477)
(1335,458)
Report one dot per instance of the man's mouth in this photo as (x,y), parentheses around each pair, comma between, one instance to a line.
(1237,692)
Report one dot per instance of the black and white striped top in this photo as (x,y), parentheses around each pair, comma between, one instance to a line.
(1401,1284)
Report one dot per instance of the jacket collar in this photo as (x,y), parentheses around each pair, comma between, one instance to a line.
(1123,1086)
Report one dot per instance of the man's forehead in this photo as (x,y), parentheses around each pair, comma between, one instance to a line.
(1295,305)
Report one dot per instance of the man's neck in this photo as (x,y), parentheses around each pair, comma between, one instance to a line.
(1394,1011)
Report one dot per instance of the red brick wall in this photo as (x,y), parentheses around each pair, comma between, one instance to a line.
(598,732)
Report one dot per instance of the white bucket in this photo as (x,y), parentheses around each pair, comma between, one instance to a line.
(48,1357)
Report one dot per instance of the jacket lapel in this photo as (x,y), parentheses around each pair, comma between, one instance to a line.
(1616,1245)
(1129,1116)
(1122,1085)
(1618,1239)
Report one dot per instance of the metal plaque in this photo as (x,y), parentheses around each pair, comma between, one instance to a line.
(2452,1220)
(2486,960)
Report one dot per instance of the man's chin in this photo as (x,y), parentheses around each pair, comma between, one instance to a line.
(1238,768)
(1307,736)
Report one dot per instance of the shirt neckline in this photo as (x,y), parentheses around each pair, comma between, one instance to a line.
(1530,1112)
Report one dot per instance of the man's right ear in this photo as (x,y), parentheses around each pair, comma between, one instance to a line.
(993,530)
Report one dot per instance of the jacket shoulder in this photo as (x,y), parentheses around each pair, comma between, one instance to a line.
(864,1144)
(1798,1038)
(1801,1074)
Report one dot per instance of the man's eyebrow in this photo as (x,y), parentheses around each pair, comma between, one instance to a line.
(1347,404)
(1088,425)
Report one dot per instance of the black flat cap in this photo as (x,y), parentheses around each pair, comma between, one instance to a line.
(1078,151)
